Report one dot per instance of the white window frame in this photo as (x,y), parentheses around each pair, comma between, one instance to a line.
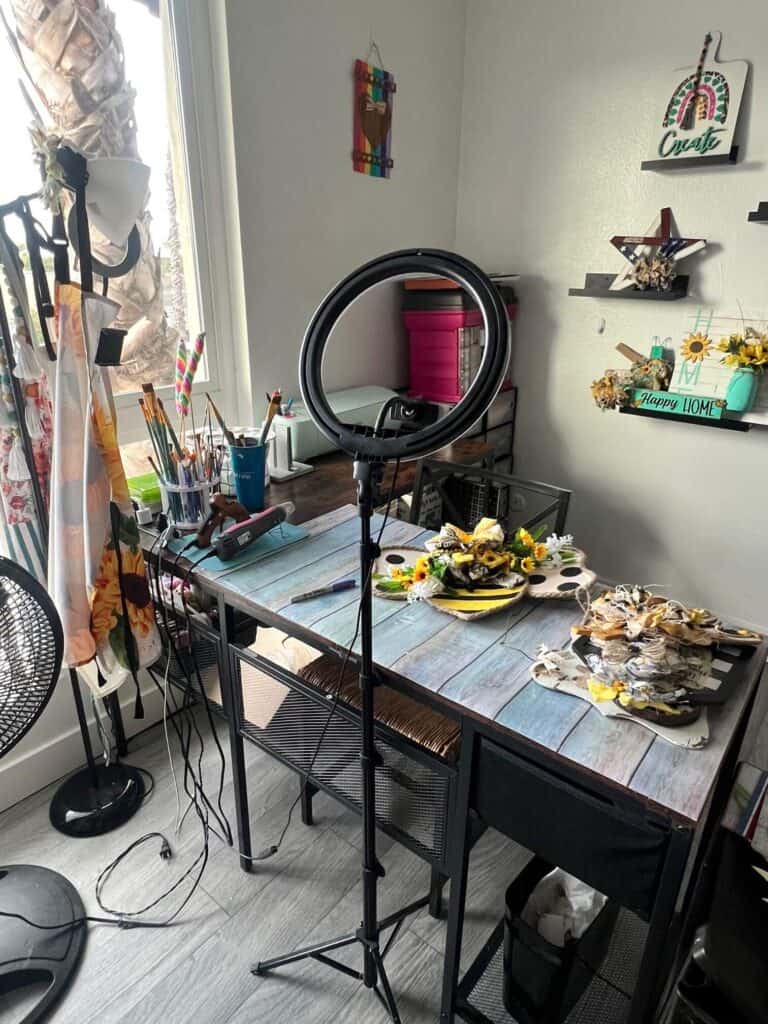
(195,32)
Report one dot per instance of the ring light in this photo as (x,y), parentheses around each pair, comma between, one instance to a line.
(360,441)
(370,448)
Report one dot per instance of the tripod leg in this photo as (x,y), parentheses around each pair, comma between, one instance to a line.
(304,954)
(388,998)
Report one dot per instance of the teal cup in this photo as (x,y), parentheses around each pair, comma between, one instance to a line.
(249,471)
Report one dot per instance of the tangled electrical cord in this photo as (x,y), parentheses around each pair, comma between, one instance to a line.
(184,724)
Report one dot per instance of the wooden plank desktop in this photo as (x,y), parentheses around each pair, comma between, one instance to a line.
(482,668)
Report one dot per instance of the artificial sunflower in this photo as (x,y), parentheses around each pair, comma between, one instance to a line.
(526,539)
(527,565)
(419,575)
(695,347)
(540,552)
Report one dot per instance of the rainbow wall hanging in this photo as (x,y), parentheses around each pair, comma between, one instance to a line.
(698,111)
(374,91)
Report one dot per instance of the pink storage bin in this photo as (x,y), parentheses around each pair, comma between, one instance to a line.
(435,351)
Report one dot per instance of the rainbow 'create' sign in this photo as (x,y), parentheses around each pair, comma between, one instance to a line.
(700,107)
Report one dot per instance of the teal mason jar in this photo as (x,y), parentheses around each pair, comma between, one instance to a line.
(741,391)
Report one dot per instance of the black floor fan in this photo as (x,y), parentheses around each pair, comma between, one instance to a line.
(370,449)
(31,647)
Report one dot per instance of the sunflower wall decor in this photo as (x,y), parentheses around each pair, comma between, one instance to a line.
(695,347)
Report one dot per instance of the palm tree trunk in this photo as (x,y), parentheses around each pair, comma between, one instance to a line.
(72,56)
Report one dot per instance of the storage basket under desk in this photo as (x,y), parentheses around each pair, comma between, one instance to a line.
(286,716)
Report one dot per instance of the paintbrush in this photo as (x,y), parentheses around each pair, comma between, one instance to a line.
(275,400)
(228,435)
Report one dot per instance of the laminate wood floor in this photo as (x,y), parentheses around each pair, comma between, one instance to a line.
(198,970)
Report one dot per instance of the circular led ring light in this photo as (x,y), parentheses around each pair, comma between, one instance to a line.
(357,441)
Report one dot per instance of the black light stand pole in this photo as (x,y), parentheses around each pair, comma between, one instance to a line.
(370,449)
(367,475)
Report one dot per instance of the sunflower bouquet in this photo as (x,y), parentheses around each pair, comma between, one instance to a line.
(745,351)
(457,559)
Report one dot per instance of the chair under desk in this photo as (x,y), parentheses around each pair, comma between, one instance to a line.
(610,802)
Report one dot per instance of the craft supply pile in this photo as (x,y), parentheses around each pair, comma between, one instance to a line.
(638,654)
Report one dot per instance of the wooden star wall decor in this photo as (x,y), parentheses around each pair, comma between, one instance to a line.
(651,257)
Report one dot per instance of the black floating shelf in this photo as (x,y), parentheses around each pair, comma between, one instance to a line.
(691,162)
(598,286)
(760,215)
(700,421)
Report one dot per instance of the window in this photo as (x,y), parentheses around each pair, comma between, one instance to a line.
(128,40)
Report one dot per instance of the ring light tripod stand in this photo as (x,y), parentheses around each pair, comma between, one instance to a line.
(370,451)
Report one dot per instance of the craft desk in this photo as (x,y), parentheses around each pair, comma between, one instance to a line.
(622,809)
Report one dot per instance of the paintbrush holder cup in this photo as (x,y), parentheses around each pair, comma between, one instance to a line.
(187,507)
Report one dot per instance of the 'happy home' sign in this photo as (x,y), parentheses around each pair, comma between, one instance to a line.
(673,404)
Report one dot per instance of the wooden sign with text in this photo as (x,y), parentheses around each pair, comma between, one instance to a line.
(673,404)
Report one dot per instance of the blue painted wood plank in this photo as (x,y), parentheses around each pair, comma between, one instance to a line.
(341,564)
(682,779)
(542,715)
(490,681)
(612,747)
(296,558)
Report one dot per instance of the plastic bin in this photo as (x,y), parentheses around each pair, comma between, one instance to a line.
(542,982)
(445,341)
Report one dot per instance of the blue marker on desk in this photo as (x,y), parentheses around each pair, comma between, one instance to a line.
(332,588)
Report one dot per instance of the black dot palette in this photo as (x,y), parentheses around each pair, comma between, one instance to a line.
(564,581)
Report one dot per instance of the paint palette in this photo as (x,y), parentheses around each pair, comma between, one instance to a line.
(564,581)
(393,558)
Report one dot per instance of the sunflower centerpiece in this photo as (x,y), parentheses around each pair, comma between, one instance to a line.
(458,560)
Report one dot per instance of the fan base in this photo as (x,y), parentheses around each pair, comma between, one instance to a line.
(85,805)
(29,956)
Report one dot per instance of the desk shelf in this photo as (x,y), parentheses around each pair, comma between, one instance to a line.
(598,286)
(606,1000)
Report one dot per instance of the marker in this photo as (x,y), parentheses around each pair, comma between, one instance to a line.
(332,588)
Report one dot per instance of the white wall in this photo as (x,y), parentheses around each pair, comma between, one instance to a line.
(555,124)
(306,218)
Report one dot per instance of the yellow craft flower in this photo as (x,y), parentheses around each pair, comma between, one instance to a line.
(540,552)
(525,538)
(395,572)
(460,558)
(695,347)
(527,565)
(422,564)
(419,575)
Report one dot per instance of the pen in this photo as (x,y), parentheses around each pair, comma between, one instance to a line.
(332,588)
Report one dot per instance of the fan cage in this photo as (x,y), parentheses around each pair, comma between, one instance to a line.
(30,653)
